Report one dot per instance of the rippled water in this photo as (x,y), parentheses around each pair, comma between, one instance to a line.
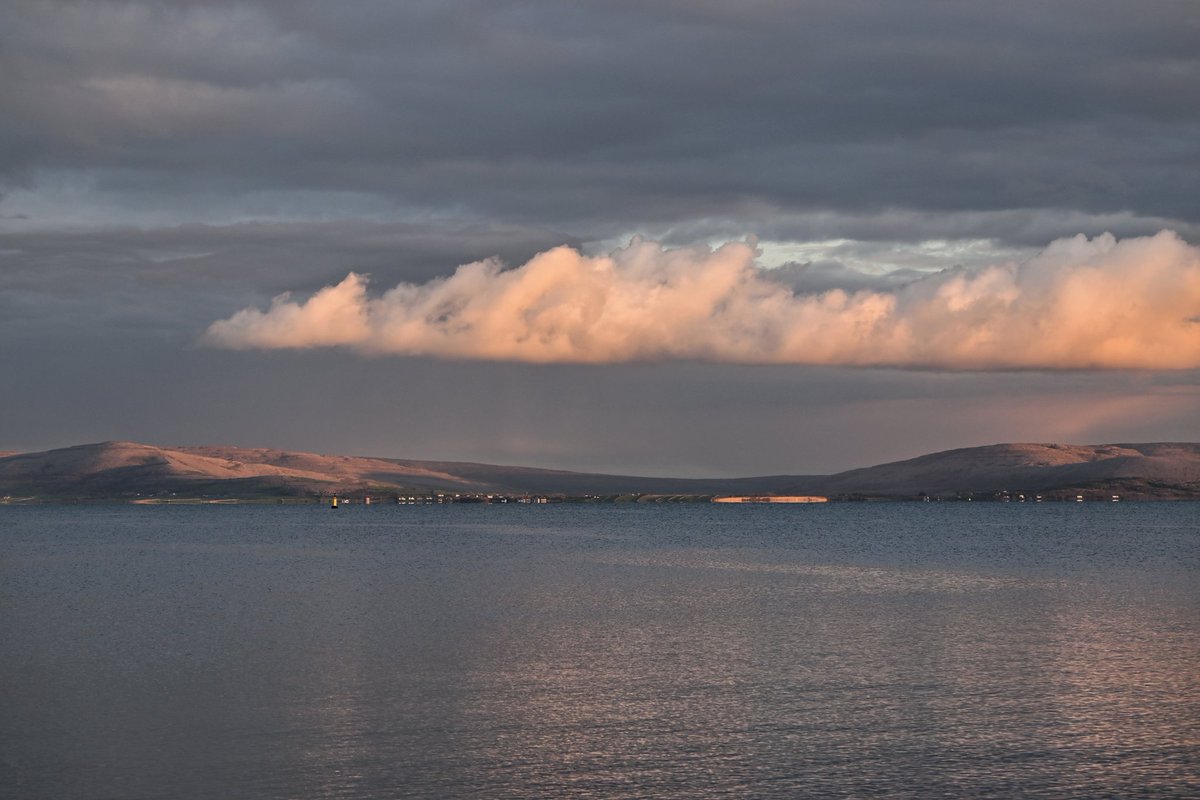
(898,650)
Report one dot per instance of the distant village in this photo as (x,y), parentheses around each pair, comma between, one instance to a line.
(446,498)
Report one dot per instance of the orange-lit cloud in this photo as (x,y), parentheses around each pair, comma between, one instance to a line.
(1080,303)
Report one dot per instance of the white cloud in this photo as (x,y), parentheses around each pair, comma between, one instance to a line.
(1078,304)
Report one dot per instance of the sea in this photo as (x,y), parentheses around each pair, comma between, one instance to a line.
(908,650)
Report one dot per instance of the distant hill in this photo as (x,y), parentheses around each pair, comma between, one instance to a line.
(1143,470)
(130,471)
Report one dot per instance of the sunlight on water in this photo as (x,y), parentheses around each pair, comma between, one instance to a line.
(833,578)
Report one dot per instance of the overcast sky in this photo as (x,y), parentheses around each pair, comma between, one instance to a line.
(866,229)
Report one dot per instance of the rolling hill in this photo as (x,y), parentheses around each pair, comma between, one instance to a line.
(129,471)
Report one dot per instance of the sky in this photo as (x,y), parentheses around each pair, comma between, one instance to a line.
(668,238)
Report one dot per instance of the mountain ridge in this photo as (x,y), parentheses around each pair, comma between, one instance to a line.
(127,470)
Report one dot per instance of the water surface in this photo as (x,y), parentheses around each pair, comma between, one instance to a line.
(891,650)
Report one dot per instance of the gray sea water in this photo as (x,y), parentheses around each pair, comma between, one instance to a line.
(856,650)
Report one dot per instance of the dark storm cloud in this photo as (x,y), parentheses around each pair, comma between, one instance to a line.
(602,117)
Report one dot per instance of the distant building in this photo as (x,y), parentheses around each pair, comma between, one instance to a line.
(771,498)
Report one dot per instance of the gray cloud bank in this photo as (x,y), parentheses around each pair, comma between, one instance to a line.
(1079,304)
(679,119)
